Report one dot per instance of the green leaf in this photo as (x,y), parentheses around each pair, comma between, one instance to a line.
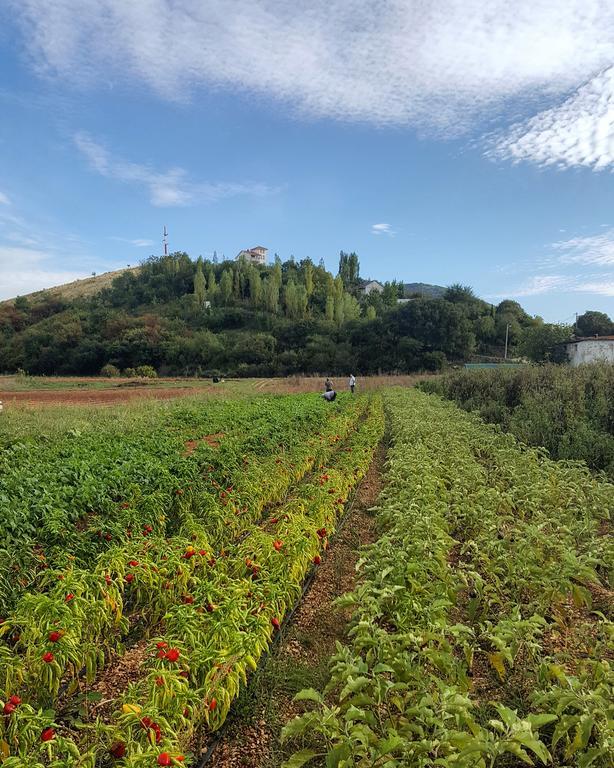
(535,745)
(538,721)
(338,753)
(298,726)
(515,749)
(300,758)
(309,694)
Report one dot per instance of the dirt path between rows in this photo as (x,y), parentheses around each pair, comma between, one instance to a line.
(300,660)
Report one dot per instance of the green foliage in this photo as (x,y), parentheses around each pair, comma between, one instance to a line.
(455,646)
(569,411)
(200,285)
(154,316)
(594,324)
(146,520)
(146,372)
(545,343)
(109,371)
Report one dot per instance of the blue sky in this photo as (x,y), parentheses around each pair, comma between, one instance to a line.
(443,142)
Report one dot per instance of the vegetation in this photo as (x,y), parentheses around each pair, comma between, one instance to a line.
(479,635)
(196,318)
(188,527)
(569,411)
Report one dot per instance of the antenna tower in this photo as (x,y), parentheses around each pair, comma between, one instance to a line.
(165,241)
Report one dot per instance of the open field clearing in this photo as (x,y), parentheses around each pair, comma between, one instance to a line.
(481,631)
(34,391)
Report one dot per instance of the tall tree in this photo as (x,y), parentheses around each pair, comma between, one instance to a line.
(212,286)
(200,287)
(255,287)
(593,323)
(309,277)
(271,295)
(226,286)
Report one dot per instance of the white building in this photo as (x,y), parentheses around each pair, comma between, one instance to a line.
(372,285)
(256,255)
(595,349)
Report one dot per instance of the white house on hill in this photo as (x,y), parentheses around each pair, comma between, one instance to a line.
(256,255)
(372,285)
(592,349)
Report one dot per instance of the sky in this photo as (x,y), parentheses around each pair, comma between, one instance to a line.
(444,141)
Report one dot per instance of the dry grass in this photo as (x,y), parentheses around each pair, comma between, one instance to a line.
(88,286)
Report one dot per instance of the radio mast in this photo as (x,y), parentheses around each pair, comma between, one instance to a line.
(165,241)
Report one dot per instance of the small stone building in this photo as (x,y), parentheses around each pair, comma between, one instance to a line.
(593,349)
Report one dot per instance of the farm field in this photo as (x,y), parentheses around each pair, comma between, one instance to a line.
(152,551)
(165,540)
(17,391)
(481,632)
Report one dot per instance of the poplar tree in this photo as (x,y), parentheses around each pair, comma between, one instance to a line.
(200,286)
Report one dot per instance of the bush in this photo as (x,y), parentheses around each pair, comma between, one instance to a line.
(130,372)
(569,411)
(146,372)
(109,370)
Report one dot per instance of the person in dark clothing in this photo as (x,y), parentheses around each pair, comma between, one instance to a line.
(328,384)
(329,395)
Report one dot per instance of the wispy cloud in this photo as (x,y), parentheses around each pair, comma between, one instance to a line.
(596,250)
(442,64)
(582,264)
(172,188)
(580,132)
(382,229)
(539,284)
(4,199)
(137,242)
(27,261)
(23,270)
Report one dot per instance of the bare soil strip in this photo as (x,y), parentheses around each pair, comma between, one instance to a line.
(300,660)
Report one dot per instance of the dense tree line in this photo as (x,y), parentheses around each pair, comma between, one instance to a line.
(193,317)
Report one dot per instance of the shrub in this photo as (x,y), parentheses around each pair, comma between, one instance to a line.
(146,372)
(109,370)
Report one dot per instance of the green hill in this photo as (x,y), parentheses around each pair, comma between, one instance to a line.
(87,286)
(192,317)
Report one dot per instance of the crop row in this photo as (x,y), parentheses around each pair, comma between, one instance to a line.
(479,635)
(66,498)
(219,606)
(143,577)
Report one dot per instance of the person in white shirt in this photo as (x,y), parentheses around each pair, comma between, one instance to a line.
(352,382)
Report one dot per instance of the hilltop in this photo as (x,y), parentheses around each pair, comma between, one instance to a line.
(77,289)
(180,316)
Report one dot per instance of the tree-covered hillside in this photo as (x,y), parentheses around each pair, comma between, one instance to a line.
(192,317)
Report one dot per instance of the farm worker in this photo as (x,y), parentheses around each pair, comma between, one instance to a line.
(352,382)
(329,395)
(328,384)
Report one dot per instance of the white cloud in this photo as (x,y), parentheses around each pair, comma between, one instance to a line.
(4,199)
(579,132)
(442,63)
(597,250)
(137,242)
(539,284)
(382,229)
(603,288)
(23,270)
(170,188)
